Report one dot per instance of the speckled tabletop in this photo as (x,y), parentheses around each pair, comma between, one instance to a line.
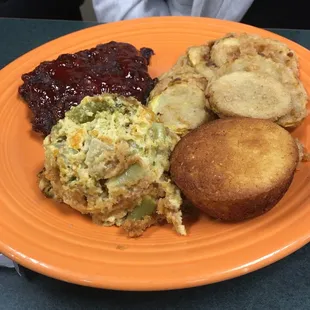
(283,285)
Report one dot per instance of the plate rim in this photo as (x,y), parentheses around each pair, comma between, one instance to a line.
(58,274)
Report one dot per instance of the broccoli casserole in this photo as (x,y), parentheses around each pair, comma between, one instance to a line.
(109,158)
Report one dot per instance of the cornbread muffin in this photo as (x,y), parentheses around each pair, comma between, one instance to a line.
(235,168)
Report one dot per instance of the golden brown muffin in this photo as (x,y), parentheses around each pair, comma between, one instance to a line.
(235,168)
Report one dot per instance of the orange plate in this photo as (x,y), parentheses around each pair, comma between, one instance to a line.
(59,242)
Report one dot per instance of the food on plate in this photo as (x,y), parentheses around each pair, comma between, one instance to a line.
(304,155)
(55,86)
(234,46)
(178,99)
(235,168)
(109,158)
(210,134)
(249,94)
(243,75)
(182,68)
(275,74)
(199,58)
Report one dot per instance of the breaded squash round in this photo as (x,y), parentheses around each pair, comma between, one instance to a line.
(282,74)
(198,57)
(178,99)
(235,168)
(249,94)
(233,46)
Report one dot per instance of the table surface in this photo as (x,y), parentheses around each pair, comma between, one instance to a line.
(282,285)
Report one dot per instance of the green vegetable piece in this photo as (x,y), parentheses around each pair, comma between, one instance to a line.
(86,112)
(131,176)
(146,207)
(159,131)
